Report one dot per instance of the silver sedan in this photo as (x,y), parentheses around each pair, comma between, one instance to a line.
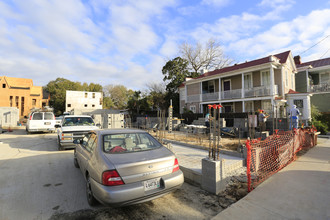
(124,167)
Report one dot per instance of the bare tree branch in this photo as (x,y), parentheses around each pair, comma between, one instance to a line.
(209,57)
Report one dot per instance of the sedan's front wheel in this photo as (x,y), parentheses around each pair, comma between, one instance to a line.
(89,193)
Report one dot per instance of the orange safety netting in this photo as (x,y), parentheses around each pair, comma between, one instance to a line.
(264,158)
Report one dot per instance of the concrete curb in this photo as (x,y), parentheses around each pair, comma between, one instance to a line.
(223,151)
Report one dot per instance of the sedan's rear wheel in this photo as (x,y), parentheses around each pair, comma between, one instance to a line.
(89,193)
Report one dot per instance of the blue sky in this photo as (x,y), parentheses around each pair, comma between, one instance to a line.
(128,42)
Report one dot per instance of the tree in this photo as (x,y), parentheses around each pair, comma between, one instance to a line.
(57,90)
(175,72)
(157,95)
(209,57)
(118,94)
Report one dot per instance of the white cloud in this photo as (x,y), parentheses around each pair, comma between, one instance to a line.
(296,35)
(217,3)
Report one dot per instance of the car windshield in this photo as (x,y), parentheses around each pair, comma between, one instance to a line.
(126,143)
(78,121)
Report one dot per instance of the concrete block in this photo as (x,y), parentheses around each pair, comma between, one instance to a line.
(263,134)
(213,176)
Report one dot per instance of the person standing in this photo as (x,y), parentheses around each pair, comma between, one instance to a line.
(207,120)
(262,118)
(294,117)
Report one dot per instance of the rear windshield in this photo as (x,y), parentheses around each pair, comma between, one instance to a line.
(37,116)
(49,116)
(126,143)
(78,121)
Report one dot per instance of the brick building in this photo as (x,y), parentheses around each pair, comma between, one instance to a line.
(22,94)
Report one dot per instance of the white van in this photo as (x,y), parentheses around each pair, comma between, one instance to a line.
(40,121)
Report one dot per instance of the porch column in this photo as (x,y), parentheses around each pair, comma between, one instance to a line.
(219,88)
(201,92)
(272,81)
(186,94)
(307,82)
(243,106)
(243,95)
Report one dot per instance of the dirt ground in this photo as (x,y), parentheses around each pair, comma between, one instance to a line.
(189,202)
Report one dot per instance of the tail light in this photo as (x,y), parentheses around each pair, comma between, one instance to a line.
(31,117)
(111,178)
(176,165)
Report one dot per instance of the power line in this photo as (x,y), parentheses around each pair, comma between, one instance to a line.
(325,53)
(316,44)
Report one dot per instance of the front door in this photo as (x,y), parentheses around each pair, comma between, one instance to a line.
(226,89)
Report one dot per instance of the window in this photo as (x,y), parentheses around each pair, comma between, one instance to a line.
(248,81)
(324,77)
(22,106)
(286,78)
(4,85)
(93,106)
(208,86)
(93,95)
(299,103)
(11,101)
(34,102)
(85,105)
(86,94)
(37,116)
(91,143)
(193,108)
(49,116)
(265,78)
(248,106)
(16,100)
(266,105)
(69,105)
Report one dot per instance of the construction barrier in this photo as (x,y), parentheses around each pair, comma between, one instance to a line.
(264,158)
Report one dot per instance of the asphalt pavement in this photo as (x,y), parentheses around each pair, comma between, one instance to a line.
(299,191)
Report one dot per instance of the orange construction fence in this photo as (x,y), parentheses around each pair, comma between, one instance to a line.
(266,157)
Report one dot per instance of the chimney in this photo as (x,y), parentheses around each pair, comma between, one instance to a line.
(297,59)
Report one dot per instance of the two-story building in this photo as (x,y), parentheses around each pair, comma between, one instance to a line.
(244,87)
(83,101)
(22,94)
(313,77)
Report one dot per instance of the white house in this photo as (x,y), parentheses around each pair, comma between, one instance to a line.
(81,100)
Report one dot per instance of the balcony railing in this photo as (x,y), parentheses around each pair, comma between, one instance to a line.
(210,96)
(323,87)
(193,98)
(260,91)
(231,94)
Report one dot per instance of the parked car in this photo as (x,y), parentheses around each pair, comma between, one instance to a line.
(40,121)
(73,127)
(124,167)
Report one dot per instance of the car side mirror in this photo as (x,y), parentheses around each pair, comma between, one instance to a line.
(57,126)
(98,125)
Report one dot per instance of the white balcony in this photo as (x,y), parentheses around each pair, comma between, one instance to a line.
(210,96)
(323,87)
(260,91)
(231,94)
(193,98)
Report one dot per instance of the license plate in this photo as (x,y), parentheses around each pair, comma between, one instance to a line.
(47,123)
(151,184)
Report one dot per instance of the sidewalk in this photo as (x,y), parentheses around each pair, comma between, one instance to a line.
(299,191)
